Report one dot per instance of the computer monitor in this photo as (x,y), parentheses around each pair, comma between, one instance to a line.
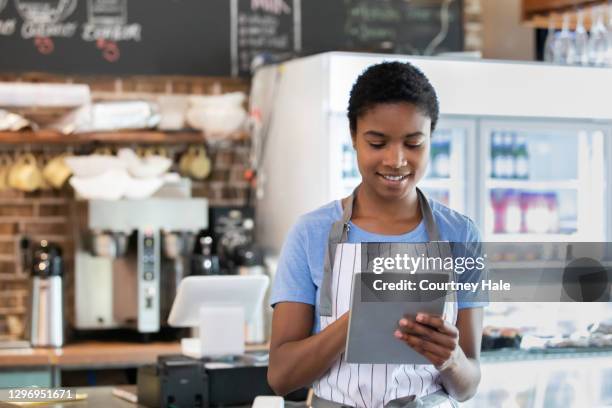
(219,306)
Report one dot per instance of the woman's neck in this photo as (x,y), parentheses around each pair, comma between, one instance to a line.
(369,206)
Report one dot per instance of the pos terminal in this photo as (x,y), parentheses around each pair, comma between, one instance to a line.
(213,369)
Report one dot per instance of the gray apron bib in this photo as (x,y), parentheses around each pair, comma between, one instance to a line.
(339,236)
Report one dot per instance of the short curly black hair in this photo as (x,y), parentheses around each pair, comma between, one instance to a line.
(392,82)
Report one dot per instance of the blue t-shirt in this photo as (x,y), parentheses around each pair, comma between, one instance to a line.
(300,266)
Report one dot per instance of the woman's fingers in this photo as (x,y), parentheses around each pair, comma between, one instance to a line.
(423,345)
(438,323)
(412,328)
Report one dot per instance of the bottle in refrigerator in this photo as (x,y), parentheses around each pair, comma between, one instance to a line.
(433,154)
(537,215)
(498,205)
(553,212)
(521,157)
(508,156)
(513,217)
(441,161)
(490,216)
(525,197)
(348,166)
(496,155)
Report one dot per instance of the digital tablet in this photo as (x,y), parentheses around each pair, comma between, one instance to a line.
(372,322)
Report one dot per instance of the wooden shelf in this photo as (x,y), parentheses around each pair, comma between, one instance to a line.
(119,137)
(538,13)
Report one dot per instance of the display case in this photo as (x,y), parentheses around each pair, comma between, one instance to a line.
(569,379)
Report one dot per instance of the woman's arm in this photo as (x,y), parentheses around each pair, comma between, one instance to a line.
(297,358)
(454,351)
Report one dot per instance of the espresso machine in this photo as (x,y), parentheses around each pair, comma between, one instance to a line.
(127,262)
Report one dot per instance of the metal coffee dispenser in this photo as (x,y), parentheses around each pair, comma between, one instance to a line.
(124,277)
(46,323)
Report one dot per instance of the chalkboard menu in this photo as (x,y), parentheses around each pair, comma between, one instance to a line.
(213,37)
(264,28)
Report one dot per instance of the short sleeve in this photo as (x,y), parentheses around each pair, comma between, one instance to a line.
(471,248)
(293,279)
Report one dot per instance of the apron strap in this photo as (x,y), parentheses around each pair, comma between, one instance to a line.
(430,224)
(339,234)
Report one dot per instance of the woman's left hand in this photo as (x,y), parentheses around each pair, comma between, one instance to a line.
(433,337)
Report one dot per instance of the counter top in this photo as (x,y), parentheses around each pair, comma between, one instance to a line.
(103,397)
(24,357)
(98,354)
(93,354)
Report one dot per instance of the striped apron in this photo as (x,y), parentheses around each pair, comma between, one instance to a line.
(374,385)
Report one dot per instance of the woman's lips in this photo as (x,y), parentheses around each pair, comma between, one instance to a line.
(393,180)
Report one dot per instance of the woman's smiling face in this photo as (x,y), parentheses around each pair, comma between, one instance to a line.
(392,141)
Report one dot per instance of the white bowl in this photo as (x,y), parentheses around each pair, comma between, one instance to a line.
(128,156)
(150,166)
(227,100)
(216,121)
(93,165)
(138,189)
(110,185)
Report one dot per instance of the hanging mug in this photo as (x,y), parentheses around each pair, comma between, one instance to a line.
(42,161)
(199,167)
(25,174)
(185,161)
(5,167)
(57,172)
(103,151)
(163,152)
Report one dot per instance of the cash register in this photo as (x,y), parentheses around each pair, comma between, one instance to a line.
(213,369)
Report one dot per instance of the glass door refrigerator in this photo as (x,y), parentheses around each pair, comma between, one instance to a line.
(543,181)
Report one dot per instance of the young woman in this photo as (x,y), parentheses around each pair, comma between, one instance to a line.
(393,110)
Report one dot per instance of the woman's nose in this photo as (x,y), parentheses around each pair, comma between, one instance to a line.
(395,157)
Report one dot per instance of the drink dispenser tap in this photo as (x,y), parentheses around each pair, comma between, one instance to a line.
(203,262)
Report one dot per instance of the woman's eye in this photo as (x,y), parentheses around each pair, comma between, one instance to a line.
(413,146)
(377,145)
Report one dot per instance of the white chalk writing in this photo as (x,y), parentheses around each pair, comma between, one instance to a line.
(7,27)
(277,7)
(31,30)
(93,32)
